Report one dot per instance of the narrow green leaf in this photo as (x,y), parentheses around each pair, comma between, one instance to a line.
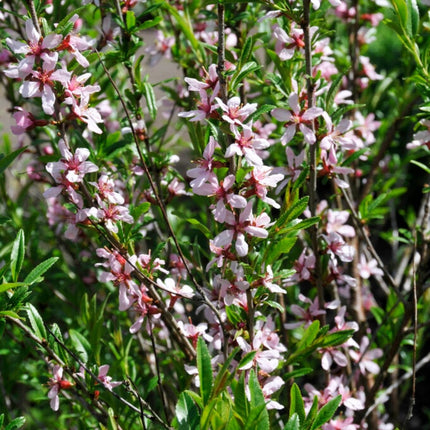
(17,255)
(423,166)
(150,99)
(241,404)
(130,20)
(260,111)
(283,246)
(6,161)
(199,226)
(310,417)
(249,357)
(187,413)
(9,285)
(15,424)
(246,50)
(36,322)
(242,72)
(297,405)
(293,423)
(38,271)
(294,211)
(413,17)
(204,367)
(336,338)
(80,344)
(326,412)
(259,416)
(309,335)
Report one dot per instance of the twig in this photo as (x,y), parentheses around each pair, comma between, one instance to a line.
(34,16)
(384,394)
(313,189)
(221,52)
(159,200)
(359,227)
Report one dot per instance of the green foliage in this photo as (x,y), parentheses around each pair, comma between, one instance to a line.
(314,419)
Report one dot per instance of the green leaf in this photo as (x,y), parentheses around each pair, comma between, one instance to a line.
(36,322)
(6,161)
(283,246)
(326,412)
(413,17)
(242,72)
(187,413)
(241,404)
(294,211)
(423,166)
(293,423)
(336,338)
(130,20)
(199,226)
(258,419)
(17,255)
(9,285)
(151,102)
(297,406)
(38,271)
(297,373)
(246,50)
(309,335)
(15,424)
(204,367)
(260,111)
(248,358)
(80,344)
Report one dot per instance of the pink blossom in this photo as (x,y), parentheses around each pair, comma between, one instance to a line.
(205,107)
(72,167)
(336,223)
(237,229)
(193,332)
(337,246)
(143,306)
(25,121)
(38,47)
(259,180)
(306,316)
(110,214)
(271,385)
(221,192)
(206,165)
(107,380)
(56,384)
(235,112)
(119,273)
(422,137)
(297,117)
(369,268)
(211,81)
(246,144)
(267,360)
(85,113)
(41,85)
(105,190)
(366,357)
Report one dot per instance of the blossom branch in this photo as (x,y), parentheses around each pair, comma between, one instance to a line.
(313,188)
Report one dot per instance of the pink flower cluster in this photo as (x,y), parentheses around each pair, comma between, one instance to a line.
(44,75)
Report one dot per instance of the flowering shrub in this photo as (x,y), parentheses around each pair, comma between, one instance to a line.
(215,214)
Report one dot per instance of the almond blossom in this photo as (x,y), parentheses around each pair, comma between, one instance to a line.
(56,384)
(297,117)
(238,226)
(37,48)
(235,112)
